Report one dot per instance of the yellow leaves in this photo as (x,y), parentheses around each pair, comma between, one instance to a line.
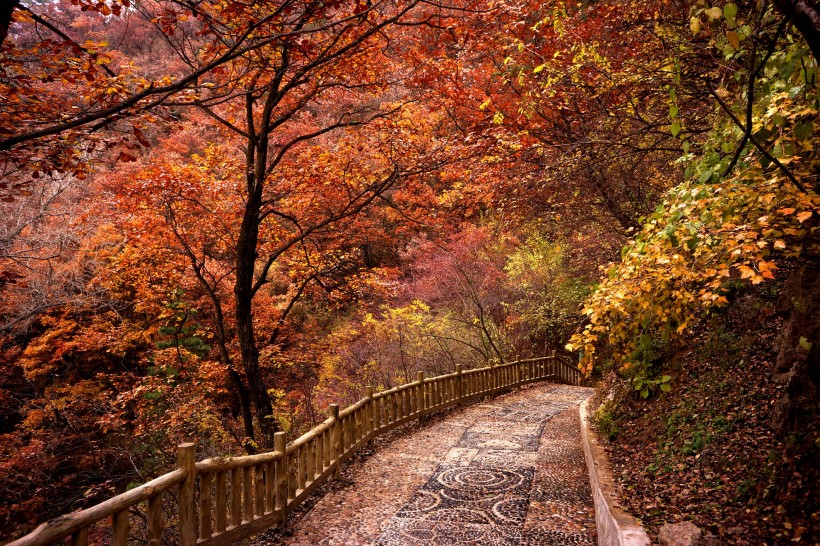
(766,269)
(695,25)
(738,225)
(713,13)
(21,16)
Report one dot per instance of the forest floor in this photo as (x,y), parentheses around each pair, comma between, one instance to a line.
(507,471)
(705,452)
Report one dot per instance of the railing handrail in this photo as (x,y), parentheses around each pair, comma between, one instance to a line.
(266,487)
(64,526)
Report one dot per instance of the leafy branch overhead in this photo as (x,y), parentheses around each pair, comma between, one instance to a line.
(750,199)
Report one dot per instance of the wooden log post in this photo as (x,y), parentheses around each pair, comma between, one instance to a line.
(310,461)
(80,538)
(187,511)
(301,469)
(349,429)
(205,506)
(420,403)
(236,496)
(221,502)
(259,490)
(280,441)
(119,534)
(247,494)
(324,456)
(368,410)
(270,489)
(335,437)
(378,403)
(155,520)
(459,383)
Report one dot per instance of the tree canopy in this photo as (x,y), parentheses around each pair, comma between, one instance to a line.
(220,216)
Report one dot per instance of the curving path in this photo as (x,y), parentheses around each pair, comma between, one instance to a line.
(507,471)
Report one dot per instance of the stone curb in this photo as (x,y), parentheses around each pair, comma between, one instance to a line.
(615,526)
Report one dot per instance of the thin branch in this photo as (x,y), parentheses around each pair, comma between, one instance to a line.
(754,141)
(753,73)
(67,38)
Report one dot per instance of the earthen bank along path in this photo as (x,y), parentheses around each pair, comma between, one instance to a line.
(507,471)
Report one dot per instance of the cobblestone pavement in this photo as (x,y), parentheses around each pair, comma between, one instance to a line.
(503,472)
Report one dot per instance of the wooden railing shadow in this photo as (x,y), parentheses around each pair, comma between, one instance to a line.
(220,501)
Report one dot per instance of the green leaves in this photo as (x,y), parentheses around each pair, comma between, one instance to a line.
(675,128)
(715,227)
(646,386)
(803,131)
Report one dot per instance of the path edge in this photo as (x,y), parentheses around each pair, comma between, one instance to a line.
(615,526)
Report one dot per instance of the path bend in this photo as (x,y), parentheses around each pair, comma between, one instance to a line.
(507,471)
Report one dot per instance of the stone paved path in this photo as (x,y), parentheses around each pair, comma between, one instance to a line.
(504,472)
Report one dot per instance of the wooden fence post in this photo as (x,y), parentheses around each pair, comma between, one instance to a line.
(280,442)
(421,403)
(369,412)
(187,511)
(459,383)
(335,438)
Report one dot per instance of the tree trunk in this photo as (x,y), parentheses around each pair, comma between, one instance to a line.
(245,266)
(798,353)
(6,11)
(805,15)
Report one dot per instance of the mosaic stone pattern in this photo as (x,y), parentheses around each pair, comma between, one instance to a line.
(510,471)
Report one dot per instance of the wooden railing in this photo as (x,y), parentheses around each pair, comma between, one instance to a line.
(221,501)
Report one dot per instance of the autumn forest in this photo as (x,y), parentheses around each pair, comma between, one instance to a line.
(219,217)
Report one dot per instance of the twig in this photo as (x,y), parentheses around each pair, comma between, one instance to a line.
(754,141)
